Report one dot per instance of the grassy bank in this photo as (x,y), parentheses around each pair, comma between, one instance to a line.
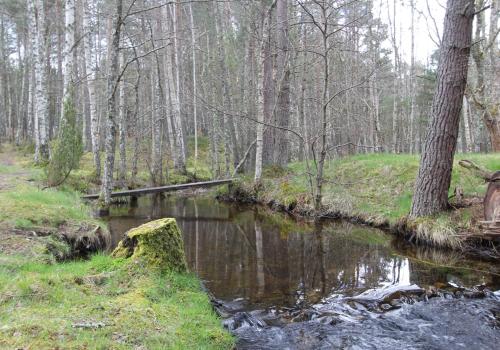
(103,303)
(376,189)
(100,303)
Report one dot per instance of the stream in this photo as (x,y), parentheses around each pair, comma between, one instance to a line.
(282,284)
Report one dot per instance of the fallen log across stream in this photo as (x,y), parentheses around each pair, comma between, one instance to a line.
(160,189)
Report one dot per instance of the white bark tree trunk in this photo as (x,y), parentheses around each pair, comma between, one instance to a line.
(32,50)
(263,52)
(112,81)
(195,107)
(69,43)
(41,75)
(122,127)
(465,111)
(91,85)
(174,86)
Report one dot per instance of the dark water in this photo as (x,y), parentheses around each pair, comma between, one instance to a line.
(283,284)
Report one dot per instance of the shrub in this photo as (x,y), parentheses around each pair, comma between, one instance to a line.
(67,149)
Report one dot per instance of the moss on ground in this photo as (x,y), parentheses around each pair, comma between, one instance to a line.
(377,189)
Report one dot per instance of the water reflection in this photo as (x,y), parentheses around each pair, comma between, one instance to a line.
(271,260)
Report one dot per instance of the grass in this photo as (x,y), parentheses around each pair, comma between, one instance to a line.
(100,303)
(26,206)
(378,189)
(42,306)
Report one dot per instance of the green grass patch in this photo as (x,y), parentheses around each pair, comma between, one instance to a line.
(104,303)
(375,187)
(26,205)
(101,303)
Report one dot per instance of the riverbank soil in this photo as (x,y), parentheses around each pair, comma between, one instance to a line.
(377,189)
(49,299)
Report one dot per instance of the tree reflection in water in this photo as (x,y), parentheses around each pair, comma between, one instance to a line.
(270,260)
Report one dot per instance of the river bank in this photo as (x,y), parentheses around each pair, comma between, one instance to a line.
(282,283)
(51,298)
(376,190)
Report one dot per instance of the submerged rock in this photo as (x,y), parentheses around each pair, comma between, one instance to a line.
(157,242)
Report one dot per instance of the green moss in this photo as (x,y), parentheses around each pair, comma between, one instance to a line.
(41,304)
(157,242)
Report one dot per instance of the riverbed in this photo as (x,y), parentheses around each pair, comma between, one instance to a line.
(283,284)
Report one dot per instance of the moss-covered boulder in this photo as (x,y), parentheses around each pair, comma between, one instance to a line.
(159,243)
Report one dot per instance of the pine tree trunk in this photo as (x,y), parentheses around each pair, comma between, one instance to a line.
(434,176)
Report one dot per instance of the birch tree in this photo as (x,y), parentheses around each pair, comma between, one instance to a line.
(91,81)
(68,69)
(264,72)
(112,82)
(41,78)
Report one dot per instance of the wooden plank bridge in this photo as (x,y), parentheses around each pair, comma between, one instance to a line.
(170,188)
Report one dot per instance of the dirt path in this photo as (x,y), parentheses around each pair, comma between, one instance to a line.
(12,240)
(10,172)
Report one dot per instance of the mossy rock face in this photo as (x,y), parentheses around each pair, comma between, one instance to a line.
(158,242)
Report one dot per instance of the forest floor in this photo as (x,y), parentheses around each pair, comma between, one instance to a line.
(49,299)
(376,189)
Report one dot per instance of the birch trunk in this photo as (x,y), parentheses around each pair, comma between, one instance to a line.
(90,82)
(227,132)
(283,63)
(263,71)
(156,126)
(112,81)
(69,43)
(465,113)
(122,126)
(195,91)
(181,156)
(174,87)
(4,101)
(412,80)
(32,134)
(41,74)
(135,126)
(91,86)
